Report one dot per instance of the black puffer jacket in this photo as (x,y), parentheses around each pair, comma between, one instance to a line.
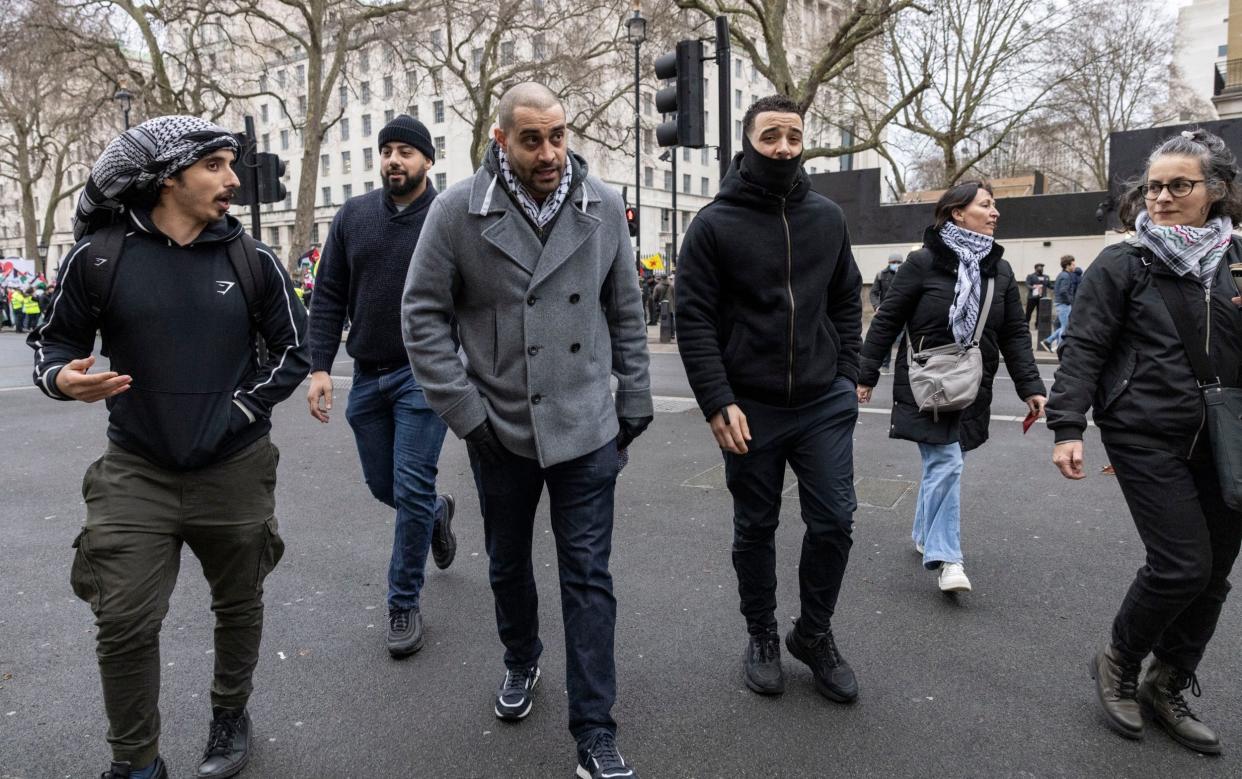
(920,298)
(1122,357)
(769,298)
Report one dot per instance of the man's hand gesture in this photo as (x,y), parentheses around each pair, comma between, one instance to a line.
(74,381)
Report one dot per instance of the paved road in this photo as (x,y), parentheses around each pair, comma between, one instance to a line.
(988,685)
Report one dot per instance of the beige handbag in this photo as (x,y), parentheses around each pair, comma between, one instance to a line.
(947,378)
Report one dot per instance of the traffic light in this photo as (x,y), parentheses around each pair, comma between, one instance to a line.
(631,218)
(684,98)
(270,168)
(244,195)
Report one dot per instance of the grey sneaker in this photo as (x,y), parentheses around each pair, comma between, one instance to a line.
(443,542)
(517,693)
(598,758)
(405,632)
(762,665)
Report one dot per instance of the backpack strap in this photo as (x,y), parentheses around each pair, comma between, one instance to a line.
(244,257)
(979,323)
(1183,321)
(101,262)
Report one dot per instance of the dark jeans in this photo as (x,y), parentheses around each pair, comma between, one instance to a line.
(137,517)
(1032,305)
(399,439)
(580,493)
(816,441)
(1192,540)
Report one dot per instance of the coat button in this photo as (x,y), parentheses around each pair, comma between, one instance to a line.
(532,351)
(530,301)
(574,298)
(534,399)
(575,348)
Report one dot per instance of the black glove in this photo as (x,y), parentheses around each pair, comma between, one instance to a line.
(486,445)
(631,428)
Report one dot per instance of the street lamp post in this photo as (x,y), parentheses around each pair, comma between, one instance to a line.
(125,98)
(636,33)
(41,250)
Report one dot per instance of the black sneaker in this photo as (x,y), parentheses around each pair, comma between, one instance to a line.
(762,665)
(443,542)
(834,679)
(228,744)
(517,693)
(124,770)
(405,632)
(598,758)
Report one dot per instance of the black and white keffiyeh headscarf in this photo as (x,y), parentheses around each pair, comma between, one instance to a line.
(1185,249)
(141,159)
(541,215)
(970,248)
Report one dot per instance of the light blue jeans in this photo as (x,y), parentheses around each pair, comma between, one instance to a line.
(1063,314)
(938,507)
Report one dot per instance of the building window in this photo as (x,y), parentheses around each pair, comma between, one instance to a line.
(476,58)
(666,220)
(737,98)
(649,139)
(302,105)
(325,164)
(368,158)
(411,80)
(703,155)
(685,154)
(345,128)
(364,59)
(301,75)
(347,191)
(366,125)
(437,111)
(648,104)
(343,94)
(315,233)
(437,80)
(507,54)
(685,183)
(388,115)
(737,68)
(539,47)
(441,181)
(1222,51)
(280,78)
(437,40)
(648,177)
(368,186)
(388,87)
(284,140)
(703,185)
(288,200)
(346,166)
(327,196)
(263,112)
(273,236)
(267,142)
(366,92)
(412,110)
(737,131)
(668,180)
(440,147)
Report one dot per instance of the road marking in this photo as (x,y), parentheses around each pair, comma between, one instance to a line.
(15,389)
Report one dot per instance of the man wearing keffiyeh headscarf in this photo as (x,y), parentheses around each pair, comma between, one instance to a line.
(189,459)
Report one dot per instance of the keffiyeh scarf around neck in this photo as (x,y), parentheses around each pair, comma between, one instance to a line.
(970,248)
(541,215)
(141,159)
(1186,249)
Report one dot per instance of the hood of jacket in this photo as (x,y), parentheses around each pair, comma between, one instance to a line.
(220,231)
(737,187)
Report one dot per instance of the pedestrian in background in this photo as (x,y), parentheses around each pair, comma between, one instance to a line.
(1037,284)
(189,457)
(879,287)
(362,275)
(531,258)
(770,343)
(1124,359)
(936,300)
(1063,298)
(31,308)
(17,303)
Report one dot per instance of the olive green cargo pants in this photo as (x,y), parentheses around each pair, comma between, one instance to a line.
(128,556)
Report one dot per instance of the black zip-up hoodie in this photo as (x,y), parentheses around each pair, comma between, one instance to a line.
(178,324)
(769,302)
(1122,357)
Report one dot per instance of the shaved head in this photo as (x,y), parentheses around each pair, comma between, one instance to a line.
(528,94)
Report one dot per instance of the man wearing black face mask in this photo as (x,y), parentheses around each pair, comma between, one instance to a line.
(362,275)
(769,316)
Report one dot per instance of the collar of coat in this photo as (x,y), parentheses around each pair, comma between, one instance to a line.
(946,259)
(489,194)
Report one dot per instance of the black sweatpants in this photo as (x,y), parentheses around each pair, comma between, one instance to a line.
(1192,540)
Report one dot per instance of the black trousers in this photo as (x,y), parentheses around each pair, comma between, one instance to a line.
(1192,540)
(816,441)
(1032,305)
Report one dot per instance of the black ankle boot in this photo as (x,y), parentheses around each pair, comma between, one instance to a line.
(228,744)
(1161,692)
(1116,686)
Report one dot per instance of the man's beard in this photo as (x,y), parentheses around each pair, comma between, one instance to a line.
(401,190)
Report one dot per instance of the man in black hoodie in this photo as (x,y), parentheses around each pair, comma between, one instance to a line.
(189,459)
(769,324)
(362,275)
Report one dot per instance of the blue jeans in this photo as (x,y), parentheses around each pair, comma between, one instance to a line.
(399,439)
(580,494)
(938,507)
(1063,313)
(816,441)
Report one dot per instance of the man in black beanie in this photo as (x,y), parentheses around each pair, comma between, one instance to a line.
(362,275)
(771,342)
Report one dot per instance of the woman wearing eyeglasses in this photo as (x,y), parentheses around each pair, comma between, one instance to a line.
(1122,358)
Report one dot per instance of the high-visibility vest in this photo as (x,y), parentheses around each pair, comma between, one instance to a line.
(17,300)
(30,305)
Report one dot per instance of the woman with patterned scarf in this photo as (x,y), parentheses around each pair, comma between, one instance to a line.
(1123,359)
(936,297)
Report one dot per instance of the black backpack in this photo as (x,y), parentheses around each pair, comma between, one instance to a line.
(105,254)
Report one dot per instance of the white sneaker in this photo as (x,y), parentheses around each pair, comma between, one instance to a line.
(918,548)
(953,578)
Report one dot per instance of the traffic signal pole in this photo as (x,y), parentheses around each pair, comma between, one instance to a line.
(638,164)
(723,74)
(250,160)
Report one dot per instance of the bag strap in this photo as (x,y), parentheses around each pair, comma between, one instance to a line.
(1195,351)
(243,254)
(100,272)
(979,325)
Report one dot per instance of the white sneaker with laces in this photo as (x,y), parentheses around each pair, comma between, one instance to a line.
(953,578)
(918,548)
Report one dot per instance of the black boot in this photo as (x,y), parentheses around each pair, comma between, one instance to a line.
(228,745)
(1116,685)
(125,770)
(1161,692)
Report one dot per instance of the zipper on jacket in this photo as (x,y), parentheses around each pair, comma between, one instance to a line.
(792,305)
(1207,347)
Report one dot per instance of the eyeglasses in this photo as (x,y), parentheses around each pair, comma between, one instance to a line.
(1177,188)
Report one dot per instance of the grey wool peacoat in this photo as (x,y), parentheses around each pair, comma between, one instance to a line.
(543,324)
